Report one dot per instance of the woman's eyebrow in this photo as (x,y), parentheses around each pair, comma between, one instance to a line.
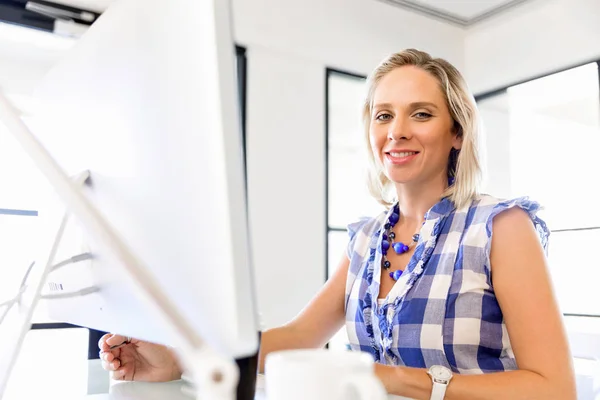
(416,104)
(382,105)
(420,104)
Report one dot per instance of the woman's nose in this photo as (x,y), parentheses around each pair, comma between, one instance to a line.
(398,130)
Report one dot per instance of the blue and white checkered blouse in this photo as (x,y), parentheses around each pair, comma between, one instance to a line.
(442,310)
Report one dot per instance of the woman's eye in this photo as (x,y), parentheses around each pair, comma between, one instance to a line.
(422,115)
(383,117)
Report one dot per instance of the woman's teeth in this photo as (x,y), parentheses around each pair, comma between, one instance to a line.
(403,154)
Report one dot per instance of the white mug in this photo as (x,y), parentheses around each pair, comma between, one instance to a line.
(321,375)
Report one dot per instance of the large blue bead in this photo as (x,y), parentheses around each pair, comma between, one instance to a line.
(399,248)
(394,218)
(397,274)
(405,248)
(385,245)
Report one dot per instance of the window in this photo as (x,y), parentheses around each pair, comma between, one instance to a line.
(346,151)
(542,139)
(347,196)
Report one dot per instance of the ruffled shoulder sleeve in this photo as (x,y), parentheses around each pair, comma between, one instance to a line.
(356,230)
(530,207)
(361,233)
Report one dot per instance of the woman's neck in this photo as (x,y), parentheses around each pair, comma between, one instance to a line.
(416,200)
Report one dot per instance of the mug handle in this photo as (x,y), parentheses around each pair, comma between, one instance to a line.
(368,387)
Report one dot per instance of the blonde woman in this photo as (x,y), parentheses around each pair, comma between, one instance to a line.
(448,289)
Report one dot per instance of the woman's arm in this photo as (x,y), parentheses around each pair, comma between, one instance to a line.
(524,291)
(316,323)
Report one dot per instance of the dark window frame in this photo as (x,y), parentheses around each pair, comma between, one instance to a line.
(328,228)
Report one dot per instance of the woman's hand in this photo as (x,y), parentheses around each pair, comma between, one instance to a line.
(136,360)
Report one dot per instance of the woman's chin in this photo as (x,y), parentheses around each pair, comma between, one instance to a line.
(397,179)
(401,182)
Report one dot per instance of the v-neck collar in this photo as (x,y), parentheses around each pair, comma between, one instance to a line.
(427,240)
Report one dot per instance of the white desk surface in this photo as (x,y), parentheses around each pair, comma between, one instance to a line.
(155,391)
(161,391)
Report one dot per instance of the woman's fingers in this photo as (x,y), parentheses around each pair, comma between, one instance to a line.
(119,374)
(115,340)
(107,356)
(109,340)
(102,342)
(110,360)
(112,365)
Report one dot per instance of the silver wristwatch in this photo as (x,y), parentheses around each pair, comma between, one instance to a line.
(440,377)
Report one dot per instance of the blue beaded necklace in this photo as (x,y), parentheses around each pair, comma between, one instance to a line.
(389,236)
(388,242)
(399,247)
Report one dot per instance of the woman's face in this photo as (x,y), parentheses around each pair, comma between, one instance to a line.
(411,130)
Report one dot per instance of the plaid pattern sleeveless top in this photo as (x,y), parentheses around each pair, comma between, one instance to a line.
(442,310)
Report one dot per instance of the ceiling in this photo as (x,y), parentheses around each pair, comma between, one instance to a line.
(460,12)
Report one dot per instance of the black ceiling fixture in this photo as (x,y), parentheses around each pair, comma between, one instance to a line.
(44,15)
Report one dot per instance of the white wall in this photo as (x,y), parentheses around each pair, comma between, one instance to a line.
(290,44)
(349,34)
(285,156)
(534,39)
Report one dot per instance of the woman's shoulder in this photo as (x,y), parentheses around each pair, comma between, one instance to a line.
(485,208)
(491,206)
(366,225)
(362,231)
(491,202)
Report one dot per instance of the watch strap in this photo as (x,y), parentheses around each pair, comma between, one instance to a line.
(439,390)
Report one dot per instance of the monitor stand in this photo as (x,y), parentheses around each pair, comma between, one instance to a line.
(248,366)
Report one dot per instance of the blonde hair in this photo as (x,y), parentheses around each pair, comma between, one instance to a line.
(464,165)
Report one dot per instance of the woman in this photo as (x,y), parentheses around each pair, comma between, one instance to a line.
(448,289)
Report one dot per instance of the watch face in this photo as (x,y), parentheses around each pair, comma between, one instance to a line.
(440,372)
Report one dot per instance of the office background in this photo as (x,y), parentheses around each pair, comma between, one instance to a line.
(532,66)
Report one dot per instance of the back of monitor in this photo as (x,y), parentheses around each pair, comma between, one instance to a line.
(146,102)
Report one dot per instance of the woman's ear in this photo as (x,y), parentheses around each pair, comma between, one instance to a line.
(457,136)
(457,142)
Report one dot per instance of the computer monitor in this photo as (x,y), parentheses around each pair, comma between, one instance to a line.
(147,103)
